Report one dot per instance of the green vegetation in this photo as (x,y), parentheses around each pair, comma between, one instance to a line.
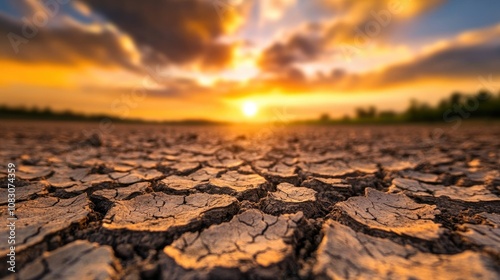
(35,113)
(482,105)
(23,113)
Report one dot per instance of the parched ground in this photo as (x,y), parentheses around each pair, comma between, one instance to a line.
(96,201)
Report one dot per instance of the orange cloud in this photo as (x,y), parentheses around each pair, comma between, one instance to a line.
(272,10)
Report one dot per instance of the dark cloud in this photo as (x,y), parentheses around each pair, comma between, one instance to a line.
(182,30)
(25,41)
(353,24)
(300,47)
(451,63)
(161,32)
(190,31)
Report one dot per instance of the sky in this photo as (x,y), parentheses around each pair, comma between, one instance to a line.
(244,60)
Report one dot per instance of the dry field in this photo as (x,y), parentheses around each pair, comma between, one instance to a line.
(97,201)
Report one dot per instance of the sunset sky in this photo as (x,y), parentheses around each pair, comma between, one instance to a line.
(234,60)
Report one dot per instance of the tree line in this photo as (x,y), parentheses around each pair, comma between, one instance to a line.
(481,105)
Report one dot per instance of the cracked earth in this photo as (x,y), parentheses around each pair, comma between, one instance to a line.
(187,202)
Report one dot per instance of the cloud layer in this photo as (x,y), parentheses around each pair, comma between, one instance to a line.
(294,47)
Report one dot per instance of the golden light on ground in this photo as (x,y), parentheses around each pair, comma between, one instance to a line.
(249,108)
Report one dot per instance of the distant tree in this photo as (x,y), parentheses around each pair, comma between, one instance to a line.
(360,113)
(372,112)
(46,112)
(325,117)
(483,96)
(368,113)
(35,110)
(455,97)
(346,118)
(387,115)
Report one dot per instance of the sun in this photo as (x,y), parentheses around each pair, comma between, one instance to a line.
(249,108)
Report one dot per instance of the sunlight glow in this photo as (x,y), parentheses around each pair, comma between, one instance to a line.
(249,108)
